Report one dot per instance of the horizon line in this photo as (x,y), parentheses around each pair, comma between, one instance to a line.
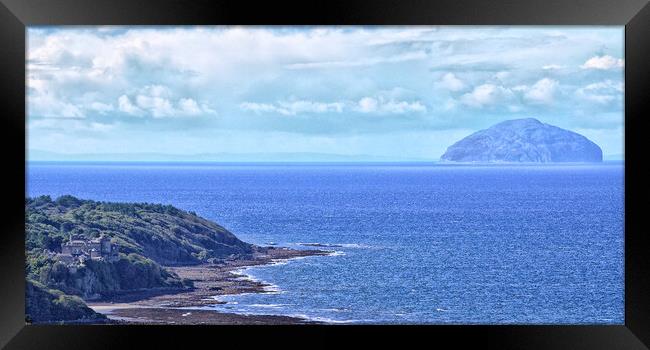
(369,162)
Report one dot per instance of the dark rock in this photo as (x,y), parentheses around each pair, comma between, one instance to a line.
(524,140)
(49,305)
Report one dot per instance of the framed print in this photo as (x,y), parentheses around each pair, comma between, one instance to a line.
(464,172)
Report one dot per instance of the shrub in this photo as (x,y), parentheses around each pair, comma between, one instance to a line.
(68,201)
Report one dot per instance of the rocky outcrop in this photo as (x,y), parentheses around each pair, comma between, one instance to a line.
(162,233)
(523,140)
(48,305)
(146,236)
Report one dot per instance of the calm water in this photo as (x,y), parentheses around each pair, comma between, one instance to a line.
(416,243)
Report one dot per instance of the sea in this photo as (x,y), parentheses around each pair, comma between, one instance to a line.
(413,243)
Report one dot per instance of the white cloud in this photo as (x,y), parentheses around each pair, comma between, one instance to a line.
(302,106)
(378,105)
(408,56)
(603,62)
(293,107)
(124,104)
(368,105)
(189,106)
(552,67)
(158,102)
(261,108)
(603,92)
(157,91)
(607,84)
(542,92)
(47,105)
(450,82)
(486,95)
(158,106)
(102,108)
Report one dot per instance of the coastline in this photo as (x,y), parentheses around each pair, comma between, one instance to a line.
(210,281)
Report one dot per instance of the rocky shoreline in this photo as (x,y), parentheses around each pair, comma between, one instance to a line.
(210,281)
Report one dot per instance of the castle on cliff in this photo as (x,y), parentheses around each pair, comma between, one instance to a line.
(78,250)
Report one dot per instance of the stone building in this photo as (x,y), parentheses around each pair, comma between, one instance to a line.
(77,250)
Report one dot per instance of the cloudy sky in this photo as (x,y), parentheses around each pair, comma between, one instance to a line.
(392,92)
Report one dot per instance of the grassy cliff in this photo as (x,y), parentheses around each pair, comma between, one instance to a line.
(148,236)
(162,233)
(48,305)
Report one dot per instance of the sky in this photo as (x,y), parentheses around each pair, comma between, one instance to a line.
(369,93)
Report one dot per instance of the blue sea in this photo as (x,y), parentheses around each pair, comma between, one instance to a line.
(415,243)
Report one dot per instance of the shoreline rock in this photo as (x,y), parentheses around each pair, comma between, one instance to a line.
(168,258)
(210,281)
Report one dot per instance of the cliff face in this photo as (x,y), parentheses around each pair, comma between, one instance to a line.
(524,140)
(147,236)
(162,233)
(101,279)
(46,305)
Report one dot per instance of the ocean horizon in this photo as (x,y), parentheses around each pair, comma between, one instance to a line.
(415,242)
(324,163)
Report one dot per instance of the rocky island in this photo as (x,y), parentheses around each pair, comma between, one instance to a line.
(135,263)
(523,140)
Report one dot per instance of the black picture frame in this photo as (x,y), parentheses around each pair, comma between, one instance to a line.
(15,15)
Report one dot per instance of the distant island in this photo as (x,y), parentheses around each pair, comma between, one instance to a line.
(523,140)
(84,253)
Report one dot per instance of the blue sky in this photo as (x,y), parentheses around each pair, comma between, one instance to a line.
(397,93)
